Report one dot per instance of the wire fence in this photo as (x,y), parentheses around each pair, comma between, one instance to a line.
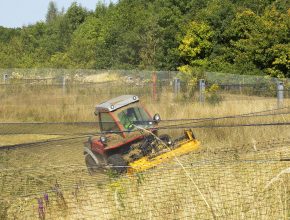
(257,119)
(112,82)
(43,174)
(48,180)
(255,185)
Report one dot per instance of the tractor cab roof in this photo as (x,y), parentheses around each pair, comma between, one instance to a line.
(116,103)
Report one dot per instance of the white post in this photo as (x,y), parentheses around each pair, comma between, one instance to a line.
(280,94)
(240,86)
(5,78)
(63,85)
(202,91)
(176,84)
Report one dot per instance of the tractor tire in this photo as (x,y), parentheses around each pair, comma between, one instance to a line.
(117,163)
(93,167)
(166,139)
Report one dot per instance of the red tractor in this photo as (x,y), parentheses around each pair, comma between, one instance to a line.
(130,138)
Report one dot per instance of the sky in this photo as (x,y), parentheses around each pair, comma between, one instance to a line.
(18,13)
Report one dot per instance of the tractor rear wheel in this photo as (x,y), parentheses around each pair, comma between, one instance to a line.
(117,163)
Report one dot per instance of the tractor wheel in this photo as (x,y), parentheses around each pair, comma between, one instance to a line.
(93,167)
(119,165)
(166,139)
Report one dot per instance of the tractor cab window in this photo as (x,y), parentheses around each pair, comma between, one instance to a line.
(134,116)
(107,123)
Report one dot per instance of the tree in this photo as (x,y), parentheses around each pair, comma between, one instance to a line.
(6,34)
(100,10)
(75,16)
(150,40)
(84,42)
(196,45)
(218,14)
(52,12)
(244,37)
(260,43)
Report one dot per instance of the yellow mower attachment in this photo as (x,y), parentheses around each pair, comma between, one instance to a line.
(182,147)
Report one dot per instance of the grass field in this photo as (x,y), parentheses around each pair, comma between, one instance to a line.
(237,173)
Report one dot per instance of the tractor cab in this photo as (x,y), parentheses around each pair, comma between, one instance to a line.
(122,114)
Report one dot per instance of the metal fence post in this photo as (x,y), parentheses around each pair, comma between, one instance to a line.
(5,78)
(240,88)
(280,94)
(63,85)
(176,84)
(202,91)
(154,86)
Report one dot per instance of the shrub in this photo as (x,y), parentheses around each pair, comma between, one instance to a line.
(212,95)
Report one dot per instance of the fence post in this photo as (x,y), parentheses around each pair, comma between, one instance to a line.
(63,85)
(5,78)
(280,94)
(154,86)
(176,84)
(202,91)
(241,88)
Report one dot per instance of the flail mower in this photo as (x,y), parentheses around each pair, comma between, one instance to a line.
(130,141)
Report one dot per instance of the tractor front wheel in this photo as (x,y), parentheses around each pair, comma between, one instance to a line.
(117,163)
(93,166)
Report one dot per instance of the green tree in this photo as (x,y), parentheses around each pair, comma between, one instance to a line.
(84,42)
(196,45)
(149,42)
(254,41)
(52,12)
(100,10)
(7,33)
(75,16)
(244,37)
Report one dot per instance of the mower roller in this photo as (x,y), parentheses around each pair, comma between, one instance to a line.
(130,140)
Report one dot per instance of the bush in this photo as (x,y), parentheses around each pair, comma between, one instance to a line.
(212,95)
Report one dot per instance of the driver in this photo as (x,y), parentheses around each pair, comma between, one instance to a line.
(127,118)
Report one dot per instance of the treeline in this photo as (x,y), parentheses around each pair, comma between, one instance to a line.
(236,36)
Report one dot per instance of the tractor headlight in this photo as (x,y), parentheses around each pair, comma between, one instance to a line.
(103,139)
(156,118)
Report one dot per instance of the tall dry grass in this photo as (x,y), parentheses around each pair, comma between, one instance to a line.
(50,104)
(234,189)
(231,170)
